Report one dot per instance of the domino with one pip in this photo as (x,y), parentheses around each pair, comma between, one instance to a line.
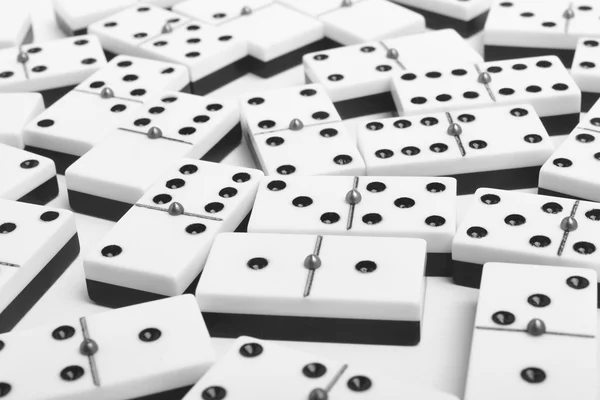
(509,226)
(502,147)
(37,244)
(573,170)
(26,177)
(169,127)
(156,350)
(159,247)
(259,369)
(297,131)
(542,82)
(358,77)
(84,116)
(278,36)
(214,56)
(52,68)
(535,334)
(303,287)
(414,207)
(74,16)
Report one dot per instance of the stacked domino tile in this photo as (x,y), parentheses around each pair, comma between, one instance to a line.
(337,231)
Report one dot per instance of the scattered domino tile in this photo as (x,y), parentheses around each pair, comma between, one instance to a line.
(542,82)
(17,110)
(467,17)
(352,22)
(547,317)
(15,24)
(278,36)
(213,55)
(52,68)
(156,350)
(289,282)
(528,28)
(572,171)
(503,147)
(507,226)
(37,244)
(358,77)
(259,369)
(298,131)
(74,16)
(26,177)
(171,126)
(84,117)
(419,207)
(191,204)
(586,71)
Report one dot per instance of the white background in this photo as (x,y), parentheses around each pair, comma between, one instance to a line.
(439,361)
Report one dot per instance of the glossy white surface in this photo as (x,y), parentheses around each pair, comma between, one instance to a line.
(319,145)
(525,228)
(260,369)
(22,171)
(491,139)
(543,82)
(83,118)
(439,361)
(531,23)
(422,207)
(503,350)
(162,253)
(175,353)
(573,168)
(234,282)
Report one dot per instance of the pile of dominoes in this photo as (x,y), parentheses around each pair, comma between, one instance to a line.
(347,208)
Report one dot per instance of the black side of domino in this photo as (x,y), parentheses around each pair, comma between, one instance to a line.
(64,160)
(113,210)
(465,29)
(39,285)
(116,296)
(312,329)
(42,194)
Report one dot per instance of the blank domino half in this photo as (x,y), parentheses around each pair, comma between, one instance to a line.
(169,127)
(85,116)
